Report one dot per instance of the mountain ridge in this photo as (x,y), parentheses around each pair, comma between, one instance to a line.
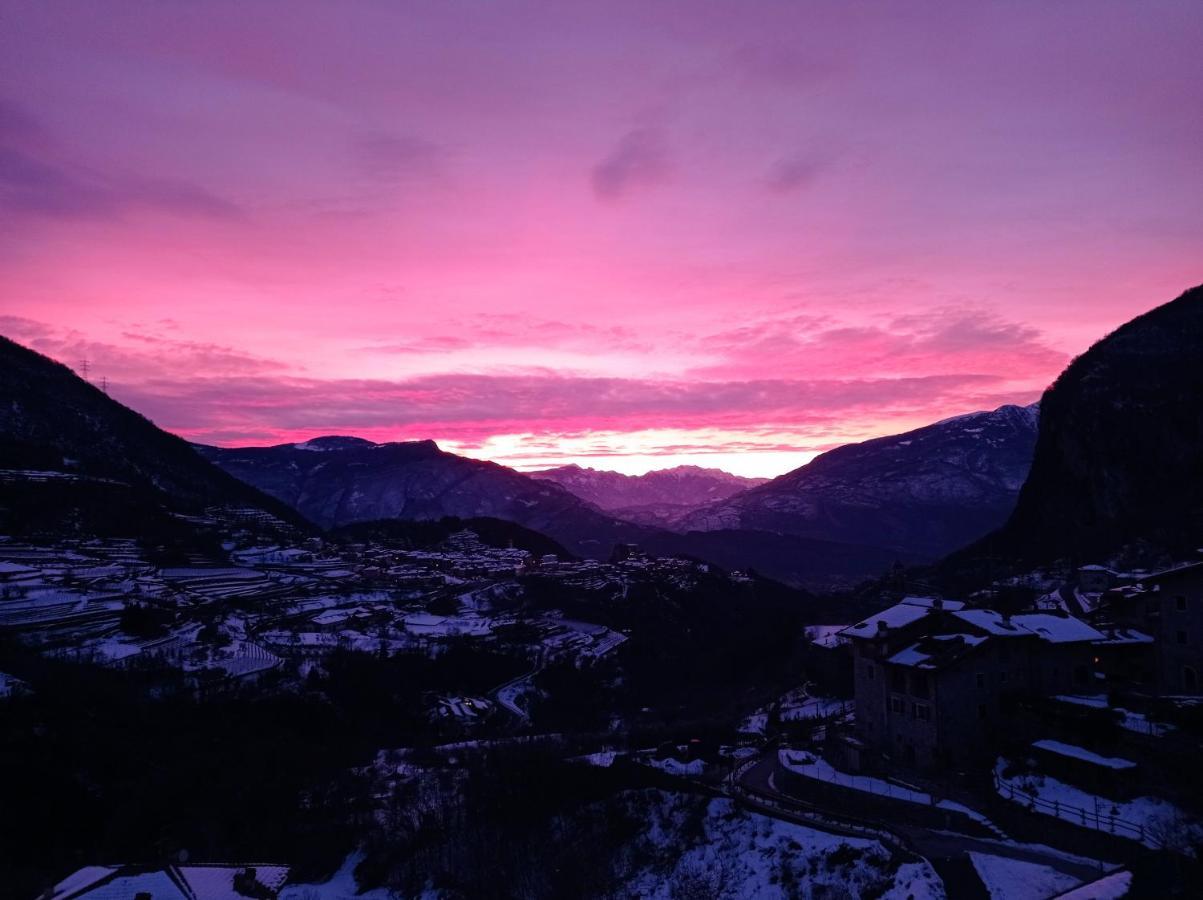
(924,492)
(1117,459)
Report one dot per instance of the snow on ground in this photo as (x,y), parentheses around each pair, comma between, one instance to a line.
(754,724)
(341,886)
(1013,879)
(1132,721)
(676,767)
(825,635)
(1073,751)
(1109,887)
(1132,819)
(732,853)
(811,766)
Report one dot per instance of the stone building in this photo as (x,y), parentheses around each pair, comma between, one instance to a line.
(932,678)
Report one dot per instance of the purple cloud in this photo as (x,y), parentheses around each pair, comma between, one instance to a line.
(639,160)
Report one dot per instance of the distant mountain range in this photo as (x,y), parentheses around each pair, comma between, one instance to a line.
(1119,459)
(655,498)
(923,493)
(336,481)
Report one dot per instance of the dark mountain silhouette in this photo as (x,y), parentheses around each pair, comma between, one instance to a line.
(73,458)
(1119,457)
(922,493)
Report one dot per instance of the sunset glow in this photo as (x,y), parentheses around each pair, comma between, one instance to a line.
(625,235)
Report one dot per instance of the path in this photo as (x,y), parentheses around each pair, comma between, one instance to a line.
(942,848)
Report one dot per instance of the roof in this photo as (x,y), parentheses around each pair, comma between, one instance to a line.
(933,603)
(896,616)
(1126,636)
(1058,629)
(1172,572)
(196,882)
(991,622)
(1083,755)
(936,651)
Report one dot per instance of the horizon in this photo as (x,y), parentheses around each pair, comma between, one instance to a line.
(630,238)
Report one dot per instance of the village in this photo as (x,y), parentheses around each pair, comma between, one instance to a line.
(283,608)
(1056,734)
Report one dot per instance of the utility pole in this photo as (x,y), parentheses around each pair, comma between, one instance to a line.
(84,368)
(104,383)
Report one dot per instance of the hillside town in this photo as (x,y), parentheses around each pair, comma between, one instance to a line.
(1056,733)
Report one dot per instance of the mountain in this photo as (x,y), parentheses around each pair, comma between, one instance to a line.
(1119,458)
(655,498)
(72,457)
(337,481)
(923,493)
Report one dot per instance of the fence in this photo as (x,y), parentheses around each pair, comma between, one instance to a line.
(1094,819)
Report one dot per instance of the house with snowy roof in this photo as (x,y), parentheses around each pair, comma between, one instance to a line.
(932,678)
(1164,610)
(171,882)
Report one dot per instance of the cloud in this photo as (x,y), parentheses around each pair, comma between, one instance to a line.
(948,340)
(638,161)
(389,156)
(145,356)
(796,172)
(35,180)
(781,65)
(479,406)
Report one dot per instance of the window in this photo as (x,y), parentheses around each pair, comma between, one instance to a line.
(923,712)
(1180,604)
(1004,652)
(981,680)
(981,710)
(897,705)
(869,671)
(921,685)
(898,679)
(1190,679)
(1181,636)
(1003,675)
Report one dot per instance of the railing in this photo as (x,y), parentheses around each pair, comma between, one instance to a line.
(796,810)
(1094,819)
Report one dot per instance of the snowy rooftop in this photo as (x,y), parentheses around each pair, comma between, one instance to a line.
(936,651)
(1081,753)
(933,603)
(211,882)
(894,617)
(1058,629)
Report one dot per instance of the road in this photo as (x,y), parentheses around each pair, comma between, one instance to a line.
(505,694)
(947,851)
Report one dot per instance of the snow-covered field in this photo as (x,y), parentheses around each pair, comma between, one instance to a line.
(693,847)
(730,853)
(1013,879)
(341,886)
(1146,819)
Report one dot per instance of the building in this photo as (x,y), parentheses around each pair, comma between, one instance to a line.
(932,678)
(171,882)
(1174,610)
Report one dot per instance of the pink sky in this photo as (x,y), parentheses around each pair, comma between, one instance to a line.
(624,234)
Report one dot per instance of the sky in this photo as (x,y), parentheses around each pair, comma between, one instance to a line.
(626,235)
